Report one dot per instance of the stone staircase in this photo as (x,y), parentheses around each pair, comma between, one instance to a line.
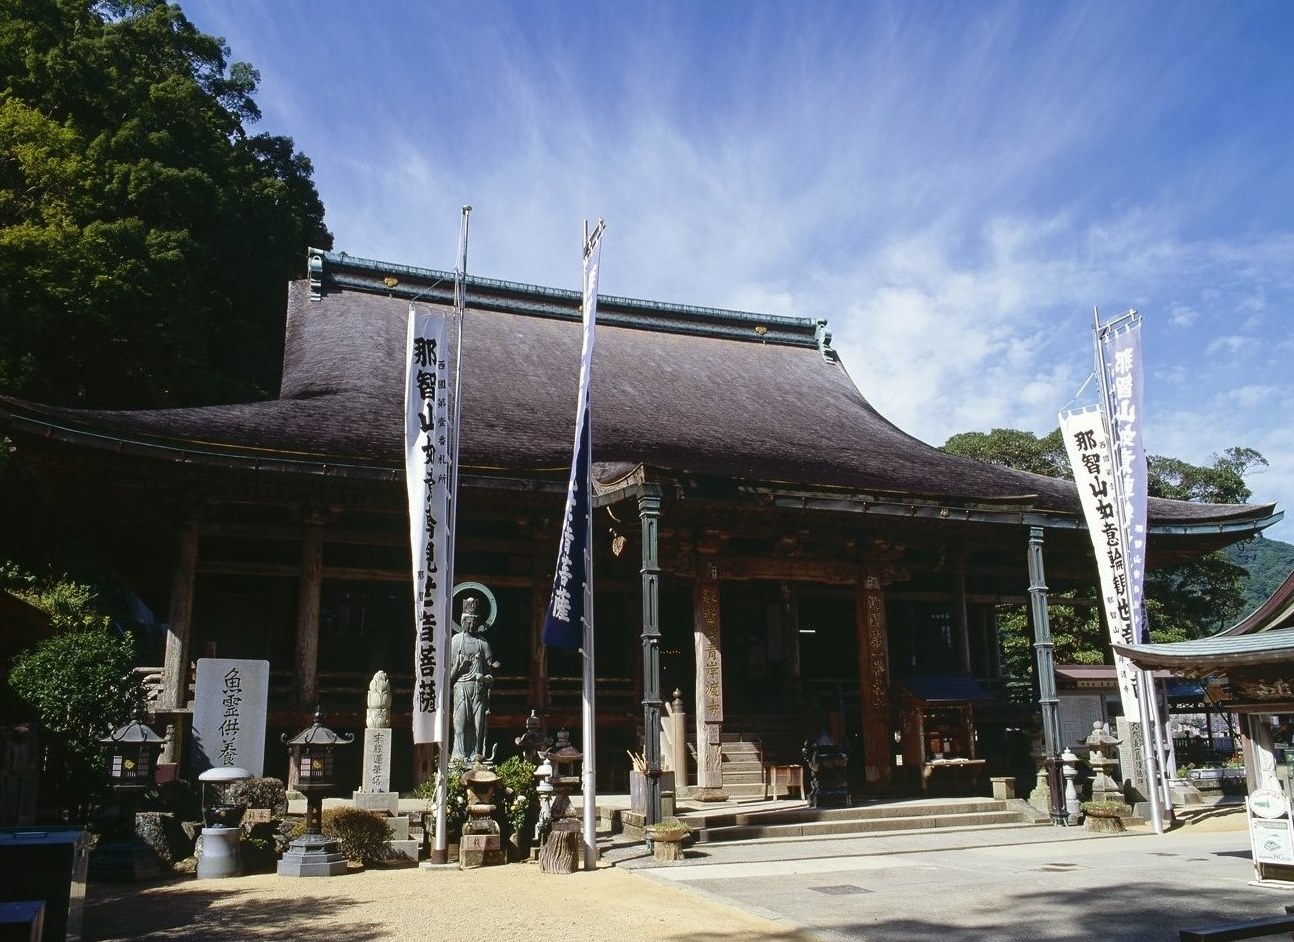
(876,817)
(742,766)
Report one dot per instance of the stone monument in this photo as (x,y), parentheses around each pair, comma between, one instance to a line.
(231,697)
(374,792)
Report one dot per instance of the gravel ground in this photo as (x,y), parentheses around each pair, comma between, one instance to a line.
(511,903)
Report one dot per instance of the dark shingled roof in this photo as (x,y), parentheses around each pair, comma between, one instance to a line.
(678,390)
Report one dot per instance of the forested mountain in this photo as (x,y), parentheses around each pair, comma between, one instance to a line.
(1268,563)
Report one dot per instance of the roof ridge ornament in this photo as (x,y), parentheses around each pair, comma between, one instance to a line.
(823,336)
(315,265)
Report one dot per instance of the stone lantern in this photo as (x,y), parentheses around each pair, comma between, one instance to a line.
(480,844)
(132,763)
(1099,742)
(565,760)
(132,759)
(311,753)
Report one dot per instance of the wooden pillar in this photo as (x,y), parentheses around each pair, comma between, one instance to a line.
(539,694)
(961,626)
(874,679)
(709,688)
(309,583)
(179,627)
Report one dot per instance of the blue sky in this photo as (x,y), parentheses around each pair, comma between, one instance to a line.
(954,186)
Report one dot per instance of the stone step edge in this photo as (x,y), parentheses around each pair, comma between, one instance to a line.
(893,827)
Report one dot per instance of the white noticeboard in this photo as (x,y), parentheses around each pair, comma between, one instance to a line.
(1271,831)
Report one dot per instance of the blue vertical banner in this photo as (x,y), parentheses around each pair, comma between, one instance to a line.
(1121,355)
(572,580)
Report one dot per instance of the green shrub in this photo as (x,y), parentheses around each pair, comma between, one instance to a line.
(78,681)
(516,792)
(456,802)
(265,792)
(362,834)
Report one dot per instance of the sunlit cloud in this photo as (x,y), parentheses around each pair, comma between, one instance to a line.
(955,193)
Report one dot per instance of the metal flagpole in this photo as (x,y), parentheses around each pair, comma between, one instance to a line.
(440,853)
(588,712)
(1149,732)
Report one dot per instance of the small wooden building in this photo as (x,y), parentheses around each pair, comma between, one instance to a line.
(794,549)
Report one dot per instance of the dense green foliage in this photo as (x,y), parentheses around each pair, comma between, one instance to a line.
(79,683)
(1268,563)
(146,237)
(1188,601)
(520,800)
(264,792)
(1013,448)
(361,834)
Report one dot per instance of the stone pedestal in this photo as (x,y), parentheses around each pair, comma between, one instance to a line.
(480,845)
(218,856)
(381,802)
(124,859)
(312,855)
(667,848)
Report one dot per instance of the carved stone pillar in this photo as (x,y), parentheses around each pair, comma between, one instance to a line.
(709,688)
(310,581)
(874,679)
(179,626)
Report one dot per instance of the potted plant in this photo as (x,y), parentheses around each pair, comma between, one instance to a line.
(1106,816)
(666,838)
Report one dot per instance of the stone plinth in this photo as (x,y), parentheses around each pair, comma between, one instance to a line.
(382,802)
(312,855)
(480,845)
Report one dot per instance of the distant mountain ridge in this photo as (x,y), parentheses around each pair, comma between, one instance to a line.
(1268,563)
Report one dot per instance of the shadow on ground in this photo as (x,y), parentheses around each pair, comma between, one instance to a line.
(173,910)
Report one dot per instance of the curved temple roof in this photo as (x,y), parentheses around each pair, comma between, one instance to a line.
(676,390)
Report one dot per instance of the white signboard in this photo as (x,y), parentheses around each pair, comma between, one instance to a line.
(1271,832)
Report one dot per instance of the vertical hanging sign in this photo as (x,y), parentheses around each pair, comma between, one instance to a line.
(1121,349)
(1093,464)
(572,578)
(426,451)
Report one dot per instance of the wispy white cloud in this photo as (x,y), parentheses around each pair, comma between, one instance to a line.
(954,186)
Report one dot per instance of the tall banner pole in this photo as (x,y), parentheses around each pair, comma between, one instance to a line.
(440,849)
(1119,375)
(588,704)
(568,620)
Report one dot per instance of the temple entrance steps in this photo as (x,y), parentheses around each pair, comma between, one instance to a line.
(742,766)
(874,817)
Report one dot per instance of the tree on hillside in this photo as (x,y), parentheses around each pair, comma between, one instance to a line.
(1187,601)
(146,237)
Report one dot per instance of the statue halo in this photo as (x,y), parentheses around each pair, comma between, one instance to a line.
(465,588)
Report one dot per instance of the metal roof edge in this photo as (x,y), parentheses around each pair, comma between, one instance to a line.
(434,285)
